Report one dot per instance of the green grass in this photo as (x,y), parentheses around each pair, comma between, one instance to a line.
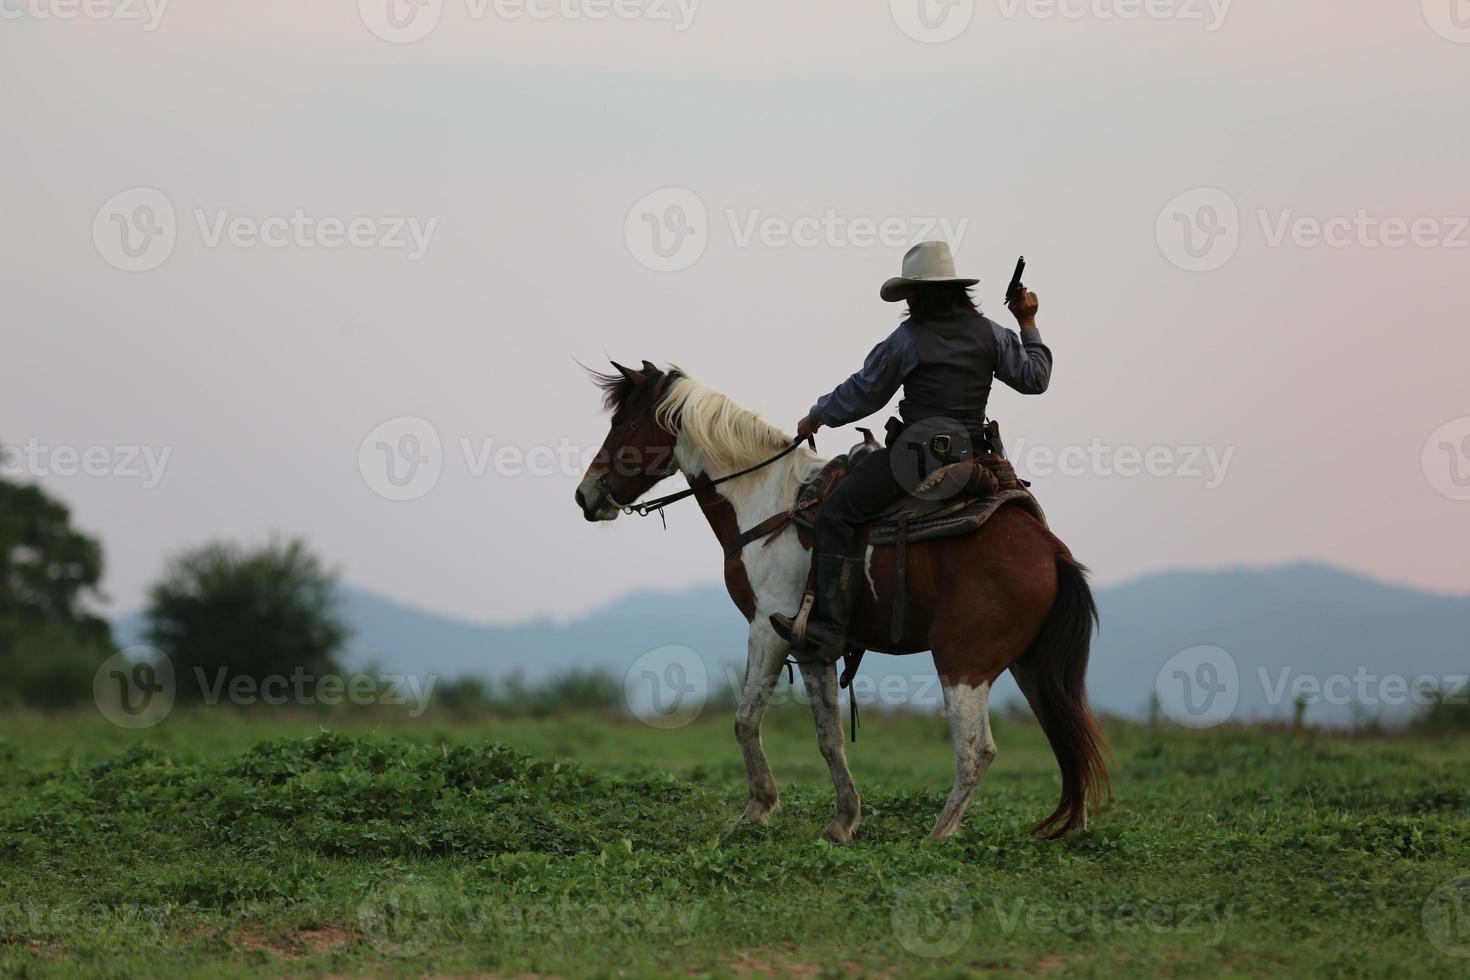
(223,842)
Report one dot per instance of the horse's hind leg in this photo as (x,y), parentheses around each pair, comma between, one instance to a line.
(823,691)
(968,708)
(766,654)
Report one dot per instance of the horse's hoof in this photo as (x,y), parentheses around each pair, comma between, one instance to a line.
(838,834)
(759,813)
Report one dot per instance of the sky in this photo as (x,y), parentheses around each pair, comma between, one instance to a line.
(255,253)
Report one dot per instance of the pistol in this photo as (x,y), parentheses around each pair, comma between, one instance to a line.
(1015,289)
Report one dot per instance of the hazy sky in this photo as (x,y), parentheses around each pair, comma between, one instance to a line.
(1297,393)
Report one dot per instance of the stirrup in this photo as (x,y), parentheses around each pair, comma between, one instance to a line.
(793,629)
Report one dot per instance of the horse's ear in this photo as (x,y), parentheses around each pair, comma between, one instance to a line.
(628,372)
(649,368)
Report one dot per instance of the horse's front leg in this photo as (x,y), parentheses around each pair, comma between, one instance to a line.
(766,653)
(824,692)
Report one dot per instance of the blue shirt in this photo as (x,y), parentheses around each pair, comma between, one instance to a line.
(1023,362)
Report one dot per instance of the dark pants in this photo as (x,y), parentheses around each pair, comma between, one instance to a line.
(858,498)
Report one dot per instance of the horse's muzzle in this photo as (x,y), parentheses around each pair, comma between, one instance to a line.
(595,504)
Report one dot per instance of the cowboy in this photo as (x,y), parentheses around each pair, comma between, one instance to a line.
(944,355)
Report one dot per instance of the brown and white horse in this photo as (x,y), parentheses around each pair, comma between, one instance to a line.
(1009,596)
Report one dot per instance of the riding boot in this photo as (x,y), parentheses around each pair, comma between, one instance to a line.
(838,580)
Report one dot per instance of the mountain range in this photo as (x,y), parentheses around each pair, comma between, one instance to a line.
(1355,644)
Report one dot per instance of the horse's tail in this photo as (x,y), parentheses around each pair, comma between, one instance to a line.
(1056,668)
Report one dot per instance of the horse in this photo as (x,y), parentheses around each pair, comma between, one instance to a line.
(1009,596)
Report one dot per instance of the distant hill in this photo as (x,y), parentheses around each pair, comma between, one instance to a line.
(1294,621)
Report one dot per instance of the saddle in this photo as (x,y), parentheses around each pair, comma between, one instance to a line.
(953,500)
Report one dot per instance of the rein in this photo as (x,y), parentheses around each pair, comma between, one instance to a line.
(657,505)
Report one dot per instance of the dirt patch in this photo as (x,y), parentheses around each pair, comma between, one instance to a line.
(303,942)
(782,963)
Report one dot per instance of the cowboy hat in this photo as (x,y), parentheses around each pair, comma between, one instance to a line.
(925,262)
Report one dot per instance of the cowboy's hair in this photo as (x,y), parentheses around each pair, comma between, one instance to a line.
(928,301)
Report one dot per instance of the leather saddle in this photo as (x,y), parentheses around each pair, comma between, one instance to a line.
(952,500)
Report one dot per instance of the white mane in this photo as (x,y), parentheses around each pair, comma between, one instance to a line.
(730,437)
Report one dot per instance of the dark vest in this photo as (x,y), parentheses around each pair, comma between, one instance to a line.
(956,367)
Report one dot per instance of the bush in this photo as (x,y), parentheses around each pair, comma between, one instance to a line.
(48,667)
(1448,713)
(222,610)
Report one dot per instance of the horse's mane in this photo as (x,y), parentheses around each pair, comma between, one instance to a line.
(728,435)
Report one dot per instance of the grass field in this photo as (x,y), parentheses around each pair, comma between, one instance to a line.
(222,842)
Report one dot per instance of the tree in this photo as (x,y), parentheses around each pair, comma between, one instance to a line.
(50,645)
(225,611)
(47,569)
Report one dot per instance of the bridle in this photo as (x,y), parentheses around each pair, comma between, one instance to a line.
(657,505)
